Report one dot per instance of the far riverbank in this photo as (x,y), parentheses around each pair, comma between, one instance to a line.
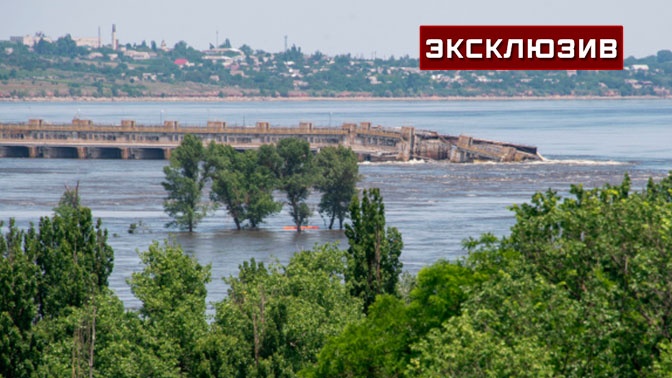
(215,99)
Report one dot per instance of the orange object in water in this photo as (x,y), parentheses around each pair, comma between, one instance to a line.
(303,228)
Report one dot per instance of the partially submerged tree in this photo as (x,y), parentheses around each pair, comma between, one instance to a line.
(297,176)
(338,175)
(243,183)
(185,179)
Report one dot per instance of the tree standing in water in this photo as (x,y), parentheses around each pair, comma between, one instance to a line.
(297,176)
(185,179)
(338,174)
(243,182)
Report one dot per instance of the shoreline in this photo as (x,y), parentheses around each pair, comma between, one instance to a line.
(321,99)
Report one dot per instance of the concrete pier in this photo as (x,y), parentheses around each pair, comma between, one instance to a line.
(82,139)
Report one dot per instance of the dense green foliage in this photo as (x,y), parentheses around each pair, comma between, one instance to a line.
(278,318)
(373,256)
(244,182)
(185,179)
(18,305)
(297,176)
(380,344)
(580,288)
(45,273)
(172,291)
(609,249)
(338,175)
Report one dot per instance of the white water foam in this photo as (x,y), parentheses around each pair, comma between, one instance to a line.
(545,161)
(410,162)
(581,162)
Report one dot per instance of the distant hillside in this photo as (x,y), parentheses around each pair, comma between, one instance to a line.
(62,69)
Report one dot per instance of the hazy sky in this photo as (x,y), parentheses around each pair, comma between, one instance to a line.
(359,27)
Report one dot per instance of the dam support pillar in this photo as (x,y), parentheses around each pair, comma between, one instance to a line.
(166,153)
(32,151)
(407,142)
(351,128)
(123,152)
(81,152)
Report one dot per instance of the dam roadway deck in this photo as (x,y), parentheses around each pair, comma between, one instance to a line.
(81,139)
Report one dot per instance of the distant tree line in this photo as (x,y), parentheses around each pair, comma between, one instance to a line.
(243,182)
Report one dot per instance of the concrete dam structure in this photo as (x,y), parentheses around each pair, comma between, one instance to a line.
(82,139)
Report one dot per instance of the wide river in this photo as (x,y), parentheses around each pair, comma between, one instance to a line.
(435,205)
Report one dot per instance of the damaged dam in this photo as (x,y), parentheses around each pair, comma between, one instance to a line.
(82,139)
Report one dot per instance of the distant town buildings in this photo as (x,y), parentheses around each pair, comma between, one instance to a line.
(139,55)
(90,42)
(30,40)
(117,69)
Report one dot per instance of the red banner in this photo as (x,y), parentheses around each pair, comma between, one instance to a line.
(521,47)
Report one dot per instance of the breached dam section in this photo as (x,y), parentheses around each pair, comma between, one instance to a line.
(82,139)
